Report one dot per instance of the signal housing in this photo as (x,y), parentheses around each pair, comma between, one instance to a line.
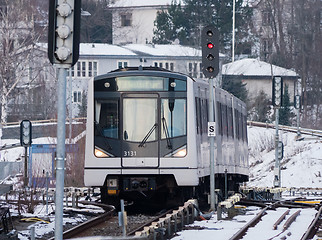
(210,51)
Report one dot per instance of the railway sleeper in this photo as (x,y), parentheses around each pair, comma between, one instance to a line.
(167,226)
(228,206)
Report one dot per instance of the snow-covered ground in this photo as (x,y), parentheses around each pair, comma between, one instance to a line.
(301,167)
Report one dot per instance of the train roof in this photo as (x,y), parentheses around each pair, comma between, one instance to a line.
(144,71)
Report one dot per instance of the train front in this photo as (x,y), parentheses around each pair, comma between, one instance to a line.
(136,142)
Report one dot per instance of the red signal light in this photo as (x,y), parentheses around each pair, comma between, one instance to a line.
(210,45)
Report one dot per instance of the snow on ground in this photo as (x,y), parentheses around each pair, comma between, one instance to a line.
(224,229)
(300,167)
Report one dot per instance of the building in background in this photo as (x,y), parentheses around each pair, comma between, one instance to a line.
(258,76)
(133,20)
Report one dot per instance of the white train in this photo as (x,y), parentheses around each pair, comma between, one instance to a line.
(147,136)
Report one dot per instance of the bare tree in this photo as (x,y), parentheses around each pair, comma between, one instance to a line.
(18,51)
(291,37)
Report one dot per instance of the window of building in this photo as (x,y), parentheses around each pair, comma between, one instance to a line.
(266,47)
(78,65)
(122,64)
(266,17)
(195,69)
(77,96)
(166,65)
(126,19)
(84,69)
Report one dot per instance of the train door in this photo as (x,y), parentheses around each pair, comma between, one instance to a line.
(140,140)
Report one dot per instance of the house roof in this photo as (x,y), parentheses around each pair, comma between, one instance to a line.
(164,50)
(138,50)
(140,3)
(103,49)
(255,67)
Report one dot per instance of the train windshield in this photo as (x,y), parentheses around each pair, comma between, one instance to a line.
(139,117)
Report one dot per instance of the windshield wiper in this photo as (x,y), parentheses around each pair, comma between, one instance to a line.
(148,135)
(166,132)
(100,131)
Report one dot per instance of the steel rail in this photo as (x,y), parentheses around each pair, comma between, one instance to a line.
(306,131)
(109,210)
(314,226)
(252,222)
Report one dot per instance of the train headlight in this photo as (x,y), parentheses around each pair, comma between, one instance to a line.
(101,153)
(180,152)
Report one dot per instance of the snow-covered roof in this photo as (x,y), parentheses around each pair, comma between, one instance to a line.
(103,49)
(164,50)
(254,67)
(141,3)
(138,50)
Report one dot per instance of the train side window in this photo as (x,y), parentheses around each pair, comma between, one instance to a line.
(224,119)
(236,124)
(200,116)
(197,101)
(219,118)
(230,122)
(244,128)
(107,118)
(240,122)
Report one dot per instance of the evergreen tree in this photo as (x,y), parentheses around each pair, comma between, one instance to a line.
(186,23)
(235,86)
(285,111)
(261,108)
(171,25)
(96,28)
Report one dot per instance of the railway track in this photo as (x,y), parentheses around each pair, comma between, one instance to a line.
(306,131)
(139,226)
(283,220)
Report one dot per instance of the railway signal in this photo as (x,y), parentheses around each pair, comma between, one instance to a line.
(64,31)
(297,101)
(210,51)
(277,94)
(25,133)
(280,150)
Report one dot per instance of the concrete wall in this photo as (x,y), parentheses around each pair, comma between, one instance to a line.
(254,86)
(141,30)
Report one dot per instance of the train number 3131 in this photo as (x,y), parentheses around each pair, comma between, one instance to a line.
(129,154)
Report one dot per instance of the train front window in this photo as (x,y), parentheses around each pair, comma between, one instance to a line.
(107,118)
(140,119)
(173,118)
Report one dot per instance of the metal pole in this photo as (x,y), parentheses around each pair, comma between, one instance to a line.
(26,167)
(47,178)
(298,123)
(70,104)
(226,185)
(277,169)
(60,159)
(212,143)
(123,218)
(233,40)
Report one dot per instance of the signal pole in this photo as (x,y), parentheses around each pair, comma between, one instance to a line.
(277,96)
(210,67)
(63,53)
